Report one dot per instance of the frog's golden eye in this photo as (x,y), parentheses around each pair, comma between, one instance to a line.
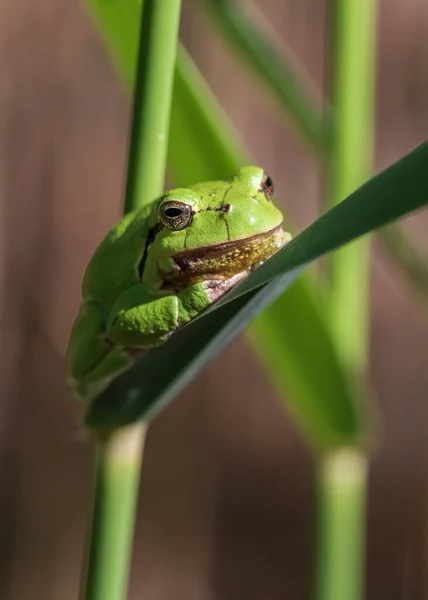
(266,186)
(175,215)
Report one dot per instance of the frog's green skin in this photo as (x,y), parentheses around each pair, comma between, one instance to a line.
(163,265)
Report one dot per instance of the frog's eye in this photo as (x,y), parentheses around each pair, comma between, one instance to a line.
(266,186)
(175,215)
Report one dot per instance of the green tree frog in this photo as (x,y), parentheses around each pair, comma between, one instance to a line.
(162,265)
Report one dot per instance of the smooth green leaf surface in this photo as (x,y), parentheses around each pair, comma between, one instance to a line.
(322,402)
(160,374)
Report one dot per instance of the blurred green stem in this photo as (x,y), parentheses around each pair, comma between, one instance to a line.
(119,452)
(342,473)
(342,476)
(352,72)
(118,463)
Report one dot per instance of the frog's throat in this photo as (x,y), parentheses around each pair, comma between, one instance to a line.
(222,261)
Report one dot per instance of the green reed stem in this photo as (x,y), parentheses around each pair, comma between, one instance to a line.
(352,81)
(118,465)
(342,476)
(343,472)
(152,102)
(119,452)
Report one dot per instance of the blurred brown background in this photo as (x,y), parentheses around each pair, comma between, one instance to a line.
(226,510)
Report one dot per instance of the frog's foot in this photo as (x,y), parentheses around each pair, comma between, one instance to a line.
(87,387)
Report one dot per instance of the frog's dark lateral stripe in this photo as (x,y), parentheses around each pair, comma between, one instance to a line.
(224,260)
(149,240)
(224,248)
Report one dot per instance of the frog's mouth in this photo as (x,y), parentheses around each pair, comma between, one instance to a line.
(223,261)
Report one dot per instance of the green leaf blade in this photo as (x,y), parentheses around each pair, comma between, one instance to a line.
(279,341)
(146,387)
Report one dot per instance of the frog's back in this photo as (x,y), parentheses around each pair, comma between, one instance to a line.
(114,264)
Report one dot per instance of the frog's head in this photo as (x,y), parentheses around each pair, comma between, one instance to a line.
(215,230)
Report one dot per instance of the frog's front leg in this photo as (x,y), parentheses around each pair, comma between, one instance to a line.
(103,344)
(142,319)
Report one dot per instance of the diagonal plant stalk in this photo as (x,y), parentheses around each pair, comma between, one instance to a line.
(119,451)
(408,257)
(284,79)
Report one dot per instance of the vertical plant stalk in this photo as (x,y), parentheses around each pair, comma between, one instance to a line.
(119,451)
(343,473)
(152,102)
(353,80)
(342,479)
(273,63)
(118,464)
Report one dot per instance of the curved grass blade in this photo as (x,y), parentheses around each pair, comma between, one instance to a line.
(147,386)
